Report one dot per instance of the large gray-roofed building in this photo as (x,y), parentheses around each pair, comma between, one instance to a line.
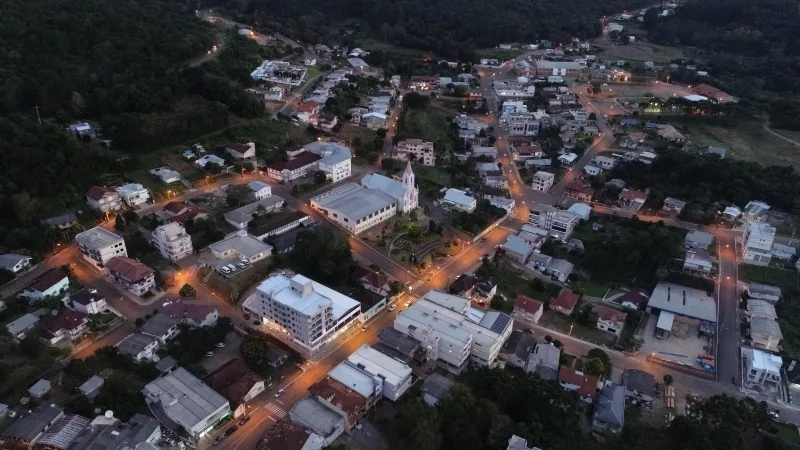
(317,417)
(240,217)
(187,401)
(29,428)
(63,432)
(242,246)
(683,301)
(119,436)
(366,202)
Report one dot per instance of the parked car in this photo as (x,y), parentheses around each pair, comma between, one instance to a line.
(219,439)
(220,345)
(231,430)
(242,265)
(365,328)
(225,270)
(279,393)
(232,267)
(209,354)
(392,308)
(244,420)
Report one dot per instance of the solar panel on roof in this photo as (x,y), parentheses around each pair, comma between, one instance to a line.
(500,323)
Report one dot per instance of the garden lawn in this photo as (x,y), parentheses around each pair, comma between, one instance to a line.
(787,280)
(511,281)
(428,124)
(562,324)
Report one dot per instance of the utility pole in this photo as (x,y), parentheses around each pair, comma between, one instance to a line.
(37,115)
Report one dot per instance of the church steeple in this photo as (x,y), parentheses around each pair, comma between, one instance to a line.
(408,175)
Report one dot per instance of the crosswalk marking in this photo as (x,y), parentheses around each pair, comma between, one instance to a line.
(275,409)
(306,365)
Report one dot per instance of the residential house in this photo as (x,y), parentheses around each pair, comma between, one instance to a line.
(19,327)
(180,212)
(40,388)
(172,241)
(464,286)
(542,181)
(374,120)
(610,320)
(373,281)
(165,174)
(609,411)
(192,312)
(575,380)
(485,152)
(633,299)
(762,370)
(673,206)
(557,223)
(538,261)
(131,274)
(140,347)
(297,167)
(544,360)
(761,308)
(485,290)
(91,387)
(103,199)
(416,151)
(371,303)
(669,133)
(604,162)
(14,263)
(276,357)
(423,83)
(565,302)
(260,190)
(759,237)
(765,333)
(698,239)
(67,324)
(62,221)
(352,400)
(133,194)
(719,151)
(327,122)
(52,283)
(579,191)
(209,159)
(560,269)
(731,213)
(98,246)
(517,348)
(241,151)
(526,152)
(517,248)
(26,431)
(161,326)
(528,309)
(241,247)
(518,443)
(242,216)
(287,435)
(336,159)
(436,388)
(698,261)
(582,210)
(238,384)
(460,200)
(632,200)
(187,401)
(591,170)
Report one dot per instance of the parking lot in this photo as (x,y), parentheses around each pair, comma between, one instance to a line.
(223,354)
(682,346)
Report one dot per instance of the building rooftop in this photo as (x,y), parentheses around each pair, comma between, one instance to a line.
(23,322)
(390,369)
(761,308)
(301,160)
(452,302)
(46,280)
(66,319)
(519,344)
(763,289)
(437,386)
(528,304)
(85,296)
(639,381)
(129,268)
(29,426)
(330,152)
(63,432)
(610,406)
(611,314)
(97,238)
(40,387)
(244,245)
(277,223)
(398,341)
(355,201)
(287,435)
(545,359)
(566,299)
(517,245)
(761,360)
(763,325)
(184,398)
(134,343)
(159,325)
(305,295)
(91,385)
(384,184)
(367,298)
(316,416)
(98,192)
(339,394)
(587,384)
(233,380)
(188,308)
(699,239)
(683,301)
(9,260)
(245,213)
(354,378)
(674,202)
(118,436)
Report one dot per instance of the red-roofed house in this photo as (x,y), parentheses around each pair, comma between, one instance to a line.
(609,319)
(529,152)
(634,298)
(575,380)
(342,399)
(375,282)
(528,309)
(423,83)
(67,324)
(579,191)
(287,435)
(565,302)
(103,199)
(131,274)
(238,384)
(632,200)
(192,312)
(285,171)
(182,212)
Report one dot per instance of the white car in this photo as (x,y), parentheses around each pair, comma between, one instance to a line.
(279,393)
(225,269)
(220,345)
(209,354)
(392,308)
(242,265)
(231,267)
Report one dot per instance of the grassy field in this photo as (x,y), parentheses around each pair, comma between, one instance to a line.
(788,433)
(512,282)
(748,141)
(784,279)
(793,135)
(428,124)
(562,323)
(592,288)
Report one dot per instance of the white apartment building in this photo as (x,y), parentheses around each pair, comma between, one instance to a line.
(543,181)
(762,369)
(524,124)
(416,150)
(460,333)
(759,238)
(133,194)
(513,107)
(604,162)
(99,245)
(396,374)
(514,89)
(336,159)
(172,241)
(302,310)
(559,224)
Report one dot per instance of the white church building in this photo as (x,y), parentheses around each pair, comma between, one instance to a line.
(357,207)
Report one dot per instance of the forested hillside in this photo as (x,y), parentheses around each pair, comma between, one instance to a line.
(750,46)
(452,28)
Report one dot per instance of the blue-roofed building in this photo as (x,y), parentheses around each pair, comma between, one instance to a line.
(629,122)
(260,189)
(651,125)
(609,411)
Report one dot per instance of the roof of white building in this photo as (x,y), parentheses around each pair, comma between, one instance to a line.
(257,185)
(184,397)
(765,326)
(517,245)
(354,378)
(130,188)
(449,301)
(279,287)
(97,238)
(761,308)
(683,301)
(761,230)
(330,152)
(385,184)
(764,361)
(354,201)
(458,197)
(391,369)
(21,323)
(581,209)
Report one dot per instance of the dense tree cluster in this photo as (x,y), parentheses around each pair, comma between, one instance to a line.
(447,27)
(707,183)
(749,47)
(334,268)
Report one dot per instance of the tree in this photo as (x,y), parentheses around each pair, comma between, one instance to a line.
(320,177)
(594,366)
(310,244)
(187,290)
(668,380)
(388,165)
(30,346)
(253,351)
(139,322)
(418,425)
(602,356)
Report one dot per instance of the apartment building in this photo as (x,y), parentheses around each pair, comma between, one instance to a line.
(172,241)
(131,274)
(416,150)
(522,124)
(543,181)
(453,332)
(133,194)
(336,159)
(302,310)
(759,238)
(395,374)
(559,224)
(99,245)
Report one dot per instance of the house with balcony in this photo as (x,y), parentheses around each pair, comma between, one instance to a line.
(131,274)
(66,326)
(103,199)
(610,320)
(99,245)
(133,194)
(172,241)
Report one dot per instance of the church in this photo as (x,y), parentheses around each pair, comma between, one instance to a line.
(357,207)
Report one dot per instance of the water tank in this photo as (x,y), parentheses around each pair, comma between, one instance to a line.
(109,414)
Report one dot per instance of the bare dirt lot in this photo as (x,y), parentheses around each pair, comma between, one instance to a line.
(658,89)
